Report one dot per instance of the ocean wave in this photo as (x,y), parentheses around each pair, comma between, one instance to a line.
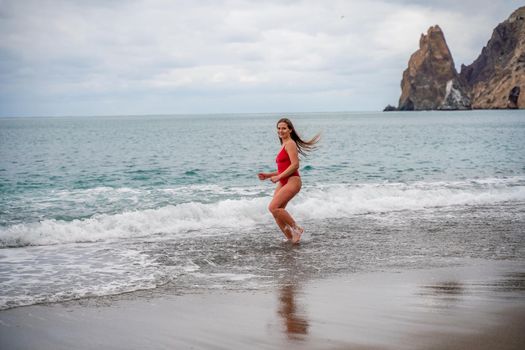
(335,201)
(235,215)
(56,273)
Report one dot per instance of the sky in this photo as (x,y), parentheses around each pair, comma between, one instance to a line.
(116,57)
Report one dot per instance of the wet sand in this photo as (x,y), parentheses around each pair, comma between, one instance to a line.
(478,306)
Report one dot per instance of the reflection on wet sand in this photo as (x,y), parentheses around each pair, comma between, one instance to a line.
(510,282)
(294,319)
(455,290)
(446,294)
(447,288)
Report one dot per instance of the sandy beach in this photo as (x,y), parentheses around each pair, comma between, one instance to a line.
(480,305)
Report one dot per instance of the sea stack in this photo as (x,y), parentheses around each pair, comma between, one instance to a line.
(495,80)
(497,76)
(431,80)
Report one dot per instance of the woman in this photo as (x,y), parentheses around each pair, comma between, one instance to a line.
(287,177)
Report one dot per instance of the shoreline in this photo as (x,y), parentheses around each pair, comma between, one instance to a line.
(480,305)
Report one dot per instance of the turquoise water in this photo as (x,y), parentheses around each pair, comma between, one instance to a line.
(74,168)
(125,198)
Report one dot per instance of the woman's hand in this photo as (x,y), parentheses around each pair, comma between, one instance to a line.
(272,176)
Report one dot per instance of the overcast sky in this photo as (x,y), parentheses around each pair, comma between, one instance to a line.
(116,57)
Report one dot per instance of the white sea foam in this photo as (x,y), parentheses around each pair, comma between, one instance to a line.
(57,273)
(236,215)
(343,200)
(173,220)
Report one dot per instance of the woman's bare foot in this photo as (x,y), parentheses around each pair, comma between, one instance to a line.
(288,234)
(297,232)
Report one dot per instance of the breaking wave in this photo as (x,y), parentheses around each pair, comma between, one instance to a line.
(226,216)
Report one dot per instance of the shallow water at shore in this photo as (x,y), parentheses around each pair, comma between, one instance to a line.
(258,259)
(477,304)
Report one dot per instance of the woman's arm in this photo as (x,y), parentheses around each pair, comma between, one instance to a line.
(264,176)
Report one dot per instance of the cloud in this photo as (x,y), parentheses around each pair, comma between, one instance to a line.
(154,56)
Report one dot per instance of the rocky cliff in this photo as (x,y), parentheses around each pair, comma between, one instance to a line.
(496,79)
(431,80)
(497,76)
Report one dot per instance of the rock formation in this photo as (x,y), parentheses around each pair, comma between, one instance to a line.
(390,108)
(497,76)
(496,79)
(431,80)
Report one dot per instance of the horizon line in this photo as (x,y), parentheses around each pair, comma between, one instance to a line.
(182,114)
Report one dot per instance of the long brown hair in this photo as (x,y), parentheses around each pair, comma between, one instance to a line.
(303,147)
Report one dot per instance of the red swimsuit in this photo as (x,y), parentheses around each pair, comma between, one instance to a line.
(283,162)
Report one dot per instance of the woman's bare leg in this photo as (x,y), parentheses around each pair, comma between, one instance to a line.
(277,207)
(282,225)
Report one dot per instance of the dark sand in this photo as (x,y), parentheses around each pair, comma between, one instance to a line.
(479,306)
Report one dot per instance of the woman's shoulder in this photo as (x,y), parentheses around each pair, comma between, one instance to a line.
(290,145)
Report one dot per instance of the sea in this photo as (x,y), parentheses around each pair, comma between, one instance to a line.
(100,206)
